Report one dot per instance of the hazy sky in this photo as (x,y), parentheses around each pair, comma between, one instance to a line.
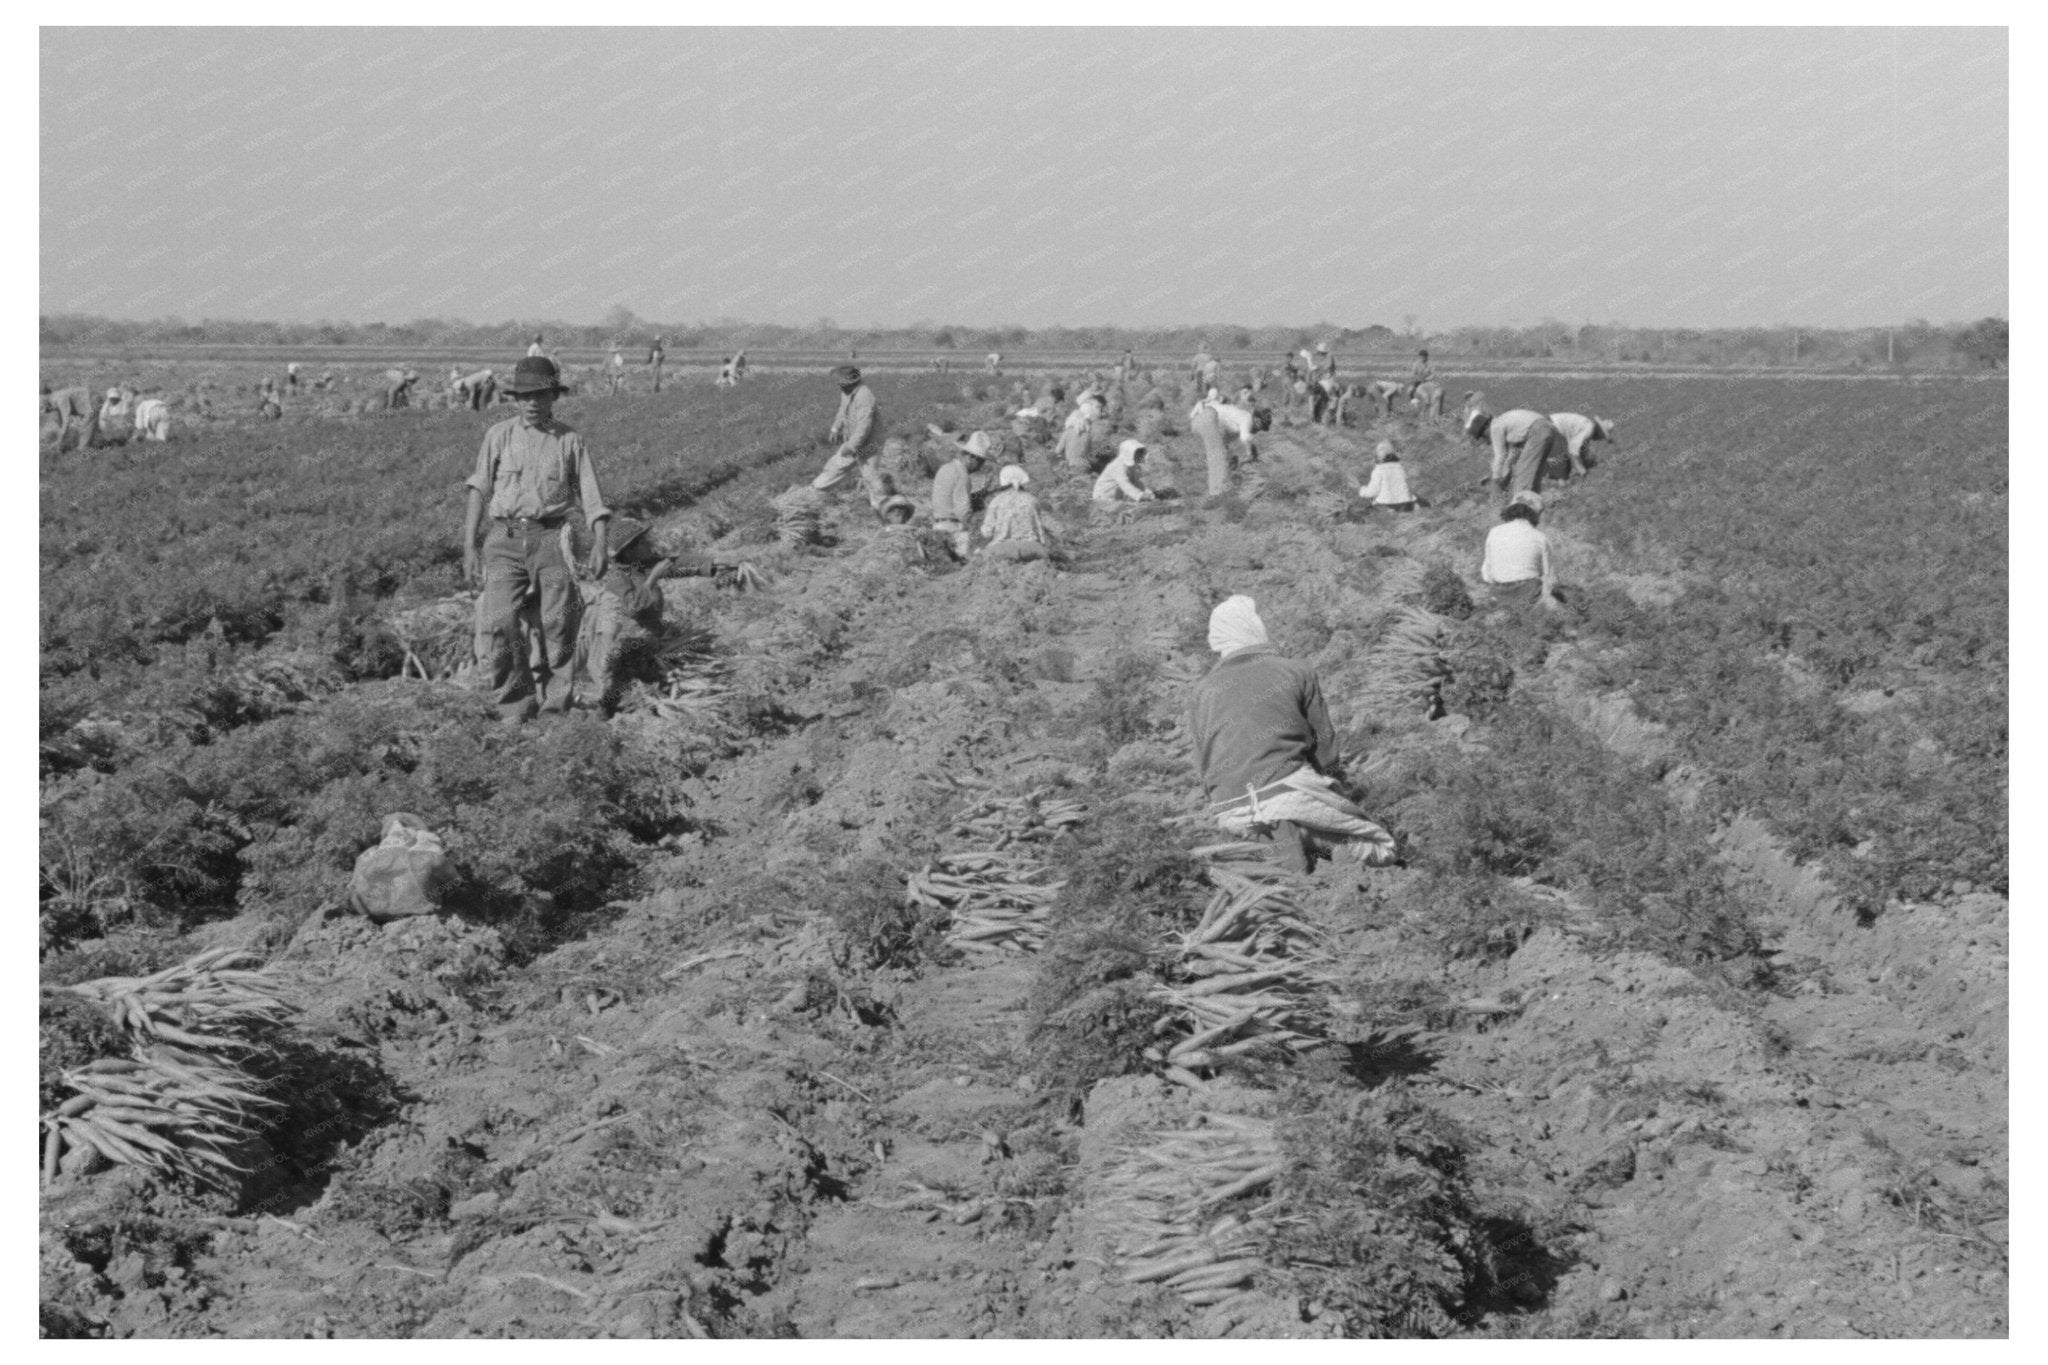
(1045,176)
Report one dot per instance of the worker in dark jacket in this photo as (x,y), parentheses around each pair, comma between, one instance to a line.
(1266,751)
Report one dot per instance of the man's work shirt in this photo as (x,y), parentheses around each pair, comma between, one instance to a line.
(1420,372)
(1578,429)
(539,471)
(858,427)
(951,501)
(1511,428)
(1515,553)
(1256,717)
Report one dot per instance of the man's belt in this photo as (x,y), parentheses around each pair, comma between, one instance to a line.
(531,523)
(1253,796)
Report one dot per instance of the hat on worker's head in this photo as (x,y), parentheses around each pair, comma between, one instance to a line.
(975,445)
(1013,476)
(1605,426)
(846,374)
(626,534)
(114,393)
(1525,498)
(536,374)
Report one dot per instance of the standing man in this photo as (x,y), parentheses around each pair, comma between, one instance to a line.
(618,371)
(656,355)
(530,473)
(995,362)
(291,378)
(1266,750)
(857,428)
(1524,441)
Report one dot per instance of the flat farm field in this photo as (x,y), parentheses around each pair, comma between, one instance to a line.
(873,972)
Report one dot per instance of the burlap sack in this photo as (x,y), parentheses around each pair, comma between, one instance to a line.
(406,874)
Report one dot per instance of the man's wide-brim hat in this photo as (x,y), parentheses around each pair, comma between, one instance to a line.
(536,374)
(847,374)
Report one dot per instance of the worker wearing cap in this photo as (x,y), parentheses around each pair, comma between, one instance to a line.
(857,428)
(1266,750)
(531,472)
(1516,561)
(953,496)
(1075,433)
(1524,441)
(1579,432)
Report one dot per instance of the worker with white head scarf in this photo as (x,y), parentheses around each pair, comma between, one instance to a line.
(1012,524)
(1120,478)
(1267,752)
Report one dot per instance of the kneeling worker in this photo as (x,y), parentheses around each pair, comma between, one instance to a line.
(953,496)
(1014,529)
(1516,561)
(1267,752)
(1388,486)
(1121,480)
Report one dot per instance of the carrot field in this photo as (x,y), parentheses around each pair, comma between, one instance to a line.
(872,971)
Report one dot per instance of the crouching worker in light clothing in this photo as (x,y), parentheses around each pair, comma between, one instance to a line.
(1516,562)
(1266,750)
(531,472)
(1388,487)
(1580,432)
(953,495)
(1014,529)
(1122,479)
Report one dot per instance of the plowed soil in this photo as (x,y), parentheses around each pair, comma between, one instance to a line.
(701,1120)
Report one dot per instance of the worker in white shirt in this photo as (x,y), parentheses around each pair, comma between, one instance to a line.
(1388,486)
(1580,431)
(1516,562)
(1215,421)
(1122,479)
(1524,442)
(534,348)
(617,376)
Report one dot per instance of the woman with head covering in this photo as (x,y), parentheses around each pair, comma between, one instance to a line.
(1122,479)
(1266,750)
(1012,524)
(1516,561)
(1388,487)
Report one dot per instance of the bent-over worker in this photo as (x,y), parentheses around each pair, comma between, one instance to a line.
(73,408)
(1266,750)
(1579,432)
(474,390)
(1523,444)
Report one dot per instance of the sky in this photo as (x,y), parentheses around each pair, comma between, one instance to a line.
(1033,177)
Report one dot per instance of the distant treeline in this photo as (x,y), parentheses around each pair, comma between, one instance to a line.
(1920,344)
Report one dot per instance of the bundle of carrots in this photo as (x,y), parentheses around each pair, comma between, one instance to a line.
(1245,978)
(1036,817)
(1169,1192)
(995,902)
(183,1101)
